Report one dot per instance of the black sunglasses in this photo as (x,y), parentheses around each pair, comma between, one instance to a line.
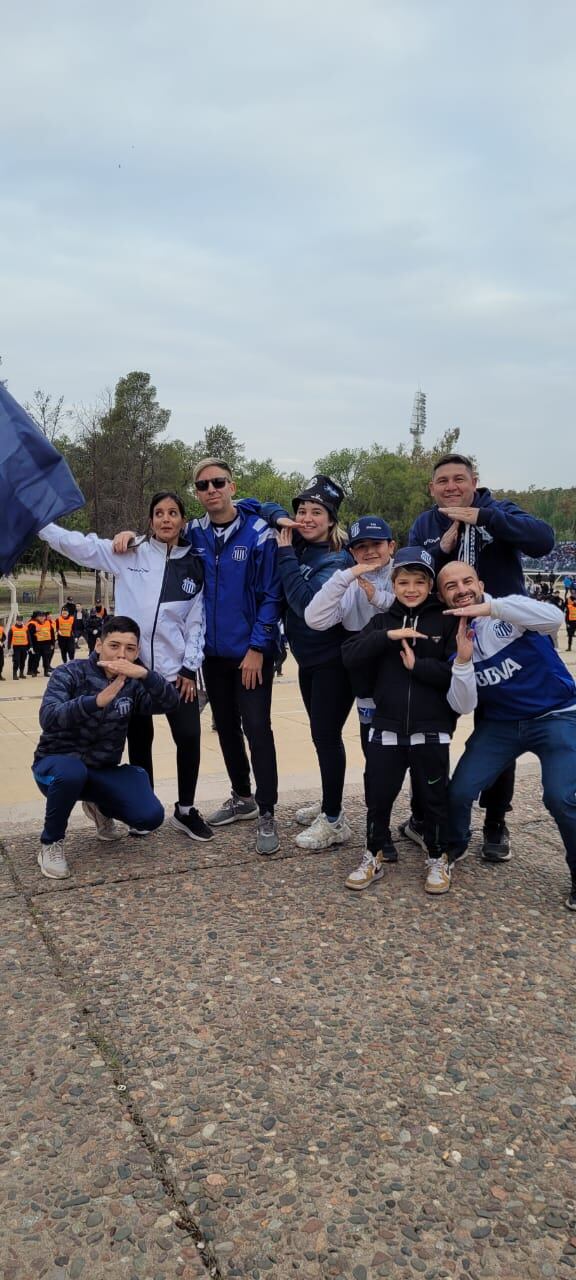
(218,483)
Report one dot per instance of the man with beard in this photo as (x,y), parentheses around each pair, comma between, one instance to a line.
(468,524)
(527,698)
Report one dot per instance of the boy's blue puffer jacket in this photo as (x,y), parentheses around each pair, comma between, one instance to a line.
(242,588)
(72,723)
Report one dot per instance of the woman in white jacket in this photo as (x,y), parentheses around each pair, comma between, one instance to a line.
(160,585)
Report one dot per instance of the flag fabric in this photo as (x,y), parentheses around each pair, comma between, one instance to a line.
(36,484)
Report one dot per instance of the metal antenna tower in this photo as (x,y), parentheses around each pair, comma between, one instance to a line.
(418,423)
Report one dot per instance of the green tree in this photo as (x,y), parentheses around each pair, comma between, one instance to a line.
(219,442)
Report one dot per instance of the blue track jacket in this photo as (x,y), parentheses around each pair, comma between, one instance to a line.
(242,588)
(503,532)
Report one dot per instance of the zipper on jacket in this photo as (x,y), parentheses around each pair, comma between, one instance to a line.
(158,609)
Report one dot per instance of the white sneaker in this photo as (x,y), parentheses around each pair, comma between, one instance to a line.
(308,813)
(369,870)
(52,862)
(322,834)
(439,876)
(106,828)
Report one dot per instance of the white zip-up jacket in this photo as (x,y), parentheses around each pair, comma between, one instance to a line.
(161,588)
(342,600)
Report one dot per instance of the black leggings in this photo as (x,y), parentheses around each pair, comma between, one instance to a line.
(185,728)
(328,697)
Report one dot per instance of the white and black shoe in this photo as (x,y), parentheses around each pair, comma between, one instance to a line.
(192,824)
(413,830)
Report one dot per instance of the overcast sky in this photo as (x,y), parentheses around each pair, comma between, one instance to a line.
(294,214)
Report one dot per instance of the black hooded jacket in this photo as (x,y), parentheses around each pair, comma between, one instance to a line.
(406,701)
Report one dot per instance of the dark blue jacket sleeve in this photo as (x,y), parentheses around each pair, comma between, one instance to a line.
(508,523)
(155,696)
(269,596)
(299,589)
(62,707)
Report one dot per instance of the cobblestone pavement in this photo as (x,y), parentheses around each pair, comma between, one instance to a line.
(217,1064)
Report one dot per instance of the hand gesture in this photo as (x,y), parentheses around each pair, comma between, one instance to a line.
(449,540)
(123,667)
(464,642)
(108,694)
(460,515)
(405,633)
(285,538)
(186,688)
(251,668)
(481,610)
(367,587)
(124,541)
(407,655)
(286,522)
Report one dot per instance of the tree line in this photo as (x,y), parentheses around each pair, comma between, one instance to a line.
(120,455)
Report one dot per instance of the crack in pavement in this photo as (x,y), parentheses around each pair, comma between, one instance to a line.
(112,1057)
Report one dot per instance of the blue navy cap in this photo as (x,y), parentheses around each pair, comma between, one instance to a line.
(369,528)
(414,558)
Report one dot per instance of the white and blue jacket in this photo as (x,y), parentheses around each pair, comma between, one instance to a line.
(515,672)
(242,587)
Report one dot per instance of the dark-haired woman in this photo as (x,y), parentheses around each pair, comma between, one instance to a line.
(160,585)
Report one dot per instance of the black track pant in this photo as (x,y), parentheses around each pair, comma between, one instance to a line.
(185,728)
(18,659)
(571,632)
(238,711)
(429,765)
(67,647)
(328,698)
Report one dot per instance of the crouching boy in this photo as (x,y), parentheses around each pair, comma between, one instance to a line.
(402,660)
(84,717)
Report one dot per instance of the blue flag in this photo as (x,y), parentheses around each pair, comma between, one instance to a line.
(36,484)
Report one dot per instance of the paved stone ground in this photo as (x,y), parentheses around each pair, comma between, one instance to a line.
(214,1064)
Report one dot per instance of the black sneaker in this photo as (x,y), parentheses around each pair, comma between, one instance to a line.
(388,851)
(414,831)
(571,899)
(496,842)
(192,823)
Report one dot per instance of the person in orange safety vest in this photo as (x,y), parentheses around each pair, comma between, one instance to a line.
(18,642)
(65,631)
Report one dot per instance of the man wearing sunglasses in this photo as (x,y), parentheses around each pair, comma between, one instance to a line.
(243,597)
(469,525)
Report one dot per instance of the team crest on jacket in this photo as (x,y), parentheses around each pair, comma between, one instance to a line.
(123,706)
(189,586)
(240,553)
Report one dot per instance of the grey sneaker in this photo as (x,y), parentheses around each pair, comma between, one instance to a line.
(52,862)
(267,839)
(233,810)
(106,828)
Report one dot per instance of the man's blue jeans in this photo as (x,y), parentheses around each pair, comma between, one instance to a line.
(122,791)
(493,745)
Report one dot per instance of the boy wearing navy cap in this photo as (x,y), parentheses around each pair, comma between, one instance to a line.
(402,660)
